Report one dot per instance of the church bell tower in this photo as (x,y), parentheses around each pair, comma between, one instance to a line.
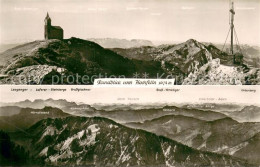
(47,26)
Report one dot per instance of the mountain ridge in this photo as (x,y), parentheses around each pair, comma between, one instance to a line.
(121,43)
(197,63)
(69,56)
(27,117)
(133,147)
(224,135)
(190,62)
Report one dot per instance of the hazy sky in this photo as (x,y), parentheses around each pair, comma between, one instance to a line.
(166,20)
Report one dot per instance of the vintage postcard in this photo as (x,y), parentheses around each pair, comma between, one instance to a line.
(87,126)
(196,42)
(129,83)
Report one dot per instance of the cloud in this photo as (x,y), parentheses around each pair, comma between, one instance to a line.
(245,8)
(136,8)
(187,7)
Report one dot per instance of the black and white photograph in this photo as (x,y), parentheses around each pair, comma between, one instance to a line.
(130,83)
(214,127)
(196,42)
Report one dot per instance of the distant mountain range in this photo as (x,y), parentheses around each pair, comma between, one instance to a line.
(247,114)
(237,112)
(39,103)
(120,43)
(190,62)
(84,135)
(138,112)
(221,107)
(4,47)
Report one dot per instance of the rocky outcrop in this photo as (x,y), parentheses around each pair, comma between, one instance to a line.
(180,59)
(30,74)
(214,73)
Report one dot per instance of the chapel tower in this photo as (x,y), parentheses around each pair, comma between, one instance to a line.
(51,32)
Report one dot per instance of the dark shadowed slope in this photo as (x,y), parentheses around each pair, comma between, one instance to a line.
(27,117)
(102,142)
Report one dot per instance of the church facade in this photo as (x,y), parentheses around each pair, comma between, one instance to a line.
(52,32)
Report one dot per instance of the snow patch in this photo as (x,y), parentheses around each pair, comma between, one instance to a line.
(178,128)
(80,134)
(168,164)
(168,122)
(221,148)
(113,126)
(203,145)
(50,130)
(94,128)
(233,150)
(167,152)
(44,151)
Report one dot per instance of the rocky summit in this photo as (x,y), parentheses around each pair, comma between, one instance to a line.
(197,63)
(191,62)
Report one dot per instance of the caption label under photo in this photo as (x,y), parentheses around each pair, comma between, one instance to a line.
(130,82)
